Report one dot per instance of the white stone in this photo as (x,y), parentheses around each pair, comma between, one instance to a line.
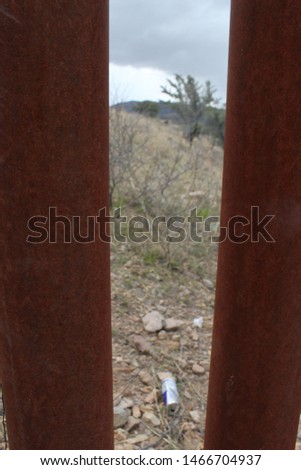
(153,321)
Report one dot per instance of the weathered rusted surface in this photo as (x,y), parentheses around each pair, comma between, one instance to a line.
(55,331)
(255,379)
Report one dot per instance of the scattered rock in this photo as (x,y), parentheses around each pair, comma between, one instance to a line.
(136,412)
(121,416)
(118,359)
(146,407)
(182,363)
(125,445)
(194,336)
(135,363)
(133,423)
(193,440)
(153,321)
(151,418)
(120,434)
(188,395)
(137,439)
(153,441)
(172,324)
(198,369)
(208,284)
(162,334)
(196,416)
(140,343)
(164,375)
(126,403)
(152,397)
(187,426)
(176,338)
(182,344)
(145,377)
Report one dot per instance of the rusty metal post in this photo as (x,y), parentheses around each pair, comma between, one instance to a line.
(255,378)
(55,331)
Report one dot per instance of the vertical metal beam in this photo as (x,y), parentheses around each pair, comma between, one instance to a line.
(55,332)
(255,379)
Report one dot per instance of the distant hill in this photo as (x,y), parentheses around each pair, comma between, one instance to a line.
(211,123)
(165,113)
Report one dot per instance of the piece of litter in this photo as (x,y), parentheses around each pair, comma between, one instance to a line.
(198,322)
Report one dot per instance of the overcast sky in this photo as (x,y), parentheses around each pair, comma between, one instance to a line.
(151,40)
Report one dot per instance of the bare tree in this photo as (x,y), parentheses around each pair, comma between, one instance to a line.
(190,100)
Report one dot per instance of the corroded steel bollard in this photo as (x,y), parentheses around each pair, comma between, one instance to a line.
(255,379)
(55,332)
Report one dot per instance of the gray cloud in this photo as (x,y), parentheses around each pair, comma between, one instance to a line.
(176,36)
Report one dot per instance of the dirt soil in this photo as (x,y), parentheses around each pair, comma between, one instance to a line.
(183,353)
